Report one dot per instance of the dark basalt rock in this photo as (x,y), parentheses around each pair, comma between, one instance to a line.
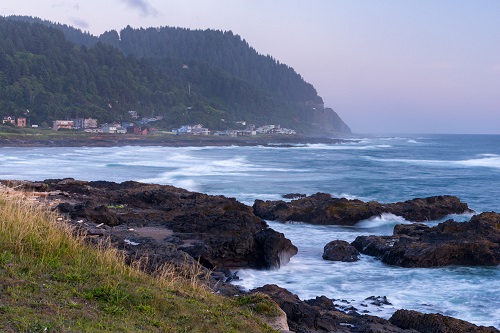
(321,315)
(276,249)
(339,250)
(431,323)
(473,243)
(322,208)
(159,221)
(294,196)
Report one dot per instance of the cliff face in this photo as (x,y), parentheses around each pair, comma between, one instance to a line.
(326,121)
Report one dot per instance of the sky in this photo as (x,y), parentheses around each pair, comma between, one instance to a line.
(385,66)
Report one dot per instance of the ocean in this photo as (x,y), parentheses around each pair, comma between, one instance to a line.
(382,168)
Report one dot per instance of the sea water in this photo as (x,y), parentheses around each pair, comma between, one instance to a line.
(382,168)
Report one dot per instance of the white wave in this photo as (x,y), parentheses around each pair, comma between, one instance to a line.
(382,220)
(489,162)
(345,195)
(456,217)
(349,146)
(188,184)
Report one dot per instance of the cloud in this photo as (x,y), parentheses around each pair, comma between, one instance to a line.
(79,23)
(142,5)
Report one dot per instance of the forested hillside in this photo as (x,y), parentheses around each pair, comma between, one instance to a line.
(186,76)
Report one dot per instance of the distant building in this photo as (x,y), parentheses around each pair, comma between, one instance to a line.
(77,123)
(109,128)
(192,129)
(62,124)
(235,133)
(274,129)
(8,120)
(121,130)
(81,123)
(89,123)
(200,130)
(93,130)
(265,129)
(133,114)
(114,128)
(134,129)
(21,122)
(127,124)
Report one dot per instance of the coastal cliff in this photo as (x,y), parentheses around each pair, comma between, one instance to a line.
(169,225)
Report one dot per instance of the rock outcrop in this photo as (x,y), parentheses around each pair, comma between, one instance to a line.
(322,208)
(339,250)
(430,323)
(473,243)
(164,223)
(323,315)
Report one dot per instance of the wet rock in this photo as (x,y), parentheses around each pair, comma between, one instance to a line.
(276,249)
(375,246)
(431,323)
(321,315)
(431,208)
(378,301)
(340,250)
(25,185)
(322,208)
(215,230)
(473,243)
(294,196)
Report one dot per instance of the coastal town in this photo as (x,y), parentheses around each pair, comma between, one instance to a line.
(143,126)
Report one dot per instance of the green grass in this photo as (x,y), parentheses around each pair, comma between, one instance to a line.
(51,281)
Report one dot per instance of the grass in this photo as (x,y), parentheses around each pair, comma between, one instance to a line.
(51,281)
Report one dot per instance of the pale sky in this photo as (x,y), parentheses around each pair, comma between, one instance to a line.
(385,66)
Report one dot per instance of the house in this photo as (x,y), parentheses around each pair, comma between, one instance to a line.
(62,124)
(93,130)
(231,133)
(247,133)
(21,122)
(81,123)
(192,129)
(77,123)
(200,130)
(265,129)
(109,128)
(186,129)
(133,114)
(114,128)
(121,130)
(134,129)
(8,120)
(89,123)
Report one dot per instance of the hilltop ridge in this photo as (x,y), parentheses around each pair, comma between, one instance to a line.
(186,76)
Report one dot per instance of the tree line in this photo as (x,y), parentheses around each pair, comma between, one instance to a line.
(185,76)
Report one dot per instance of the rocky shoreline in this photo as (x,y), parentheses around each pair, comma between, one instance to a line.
(170,225)
(170,140)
